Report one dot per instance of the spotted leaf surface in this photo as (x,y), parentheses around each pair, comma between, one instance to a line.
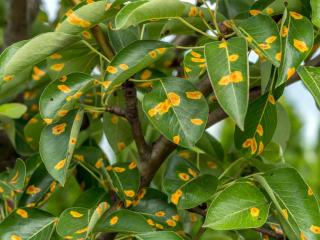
(11,86)
(32,223)
(227,66)
(125,179)
(141,11)
(299,215)
(153,205)
(297,42)
(84,16)
(76,58)
(60,96)
(73,223)
(63,136)
(177,109)
(32,131)
(194,63)
(96,215)
(117,129)
(123,221)
(131,60)
(35,51)
(159,235)
(260,125)
(39,189)
(240,206)
(311,78)
(262,35)
(184,184)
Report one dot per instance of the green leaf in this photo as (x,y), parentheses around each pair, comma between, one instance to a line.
(141,11)
(227,65)
(315,5)
(131,60)
(311,78)
(85,16)
(36,50)
(232,8)
(14,181)
(125,179)
(177,109)
(297,205)
(39,188)
(18,175)
(91,198)
(123,221)
(184,184)
(32,131)
(297,42)
(12,110)
(239,206)
(266,43)
(153,205)
(96,215)
(283,129)
(63,136)
(11,87)
(120,39)
(117,129)
(73,222)
(60,96)
(194,63)
(158,236)
(32,223)
(259,127)
(76,58)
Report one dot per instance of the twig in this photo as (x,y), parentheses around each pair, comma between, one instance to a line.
(133,117)
(117,111)
(270,233)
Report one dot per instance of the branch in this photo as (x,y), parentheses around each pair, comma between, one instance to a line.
(132,114)
(17,27)
(270,233)
(117,111)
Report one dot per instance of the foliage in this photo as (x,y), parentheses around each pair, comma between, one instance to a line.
(110,73)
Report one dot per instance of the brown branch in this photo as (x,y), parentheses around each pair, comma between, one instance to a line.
(270,233)
(117,111)
(17,27)
(132,114)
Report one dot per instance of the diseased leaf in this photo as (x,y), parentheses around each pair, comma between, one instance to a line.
(143,10)
(73,223)
(96,215)
(153,205)
(262,34)
(12,110)
(117,129)
(125,179)
(132,59)
(295,201)
(239,206)
(60,96)
(259,127)
(76,58)
(185,185)
(158,236)
(36,50)
(194,63)
(297,42)
(32,224)
(123,221)
(311,78)
(39,188)
(32,131)
(85,15)
(232,8)
(63,136)
(177,109)
(227,65)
